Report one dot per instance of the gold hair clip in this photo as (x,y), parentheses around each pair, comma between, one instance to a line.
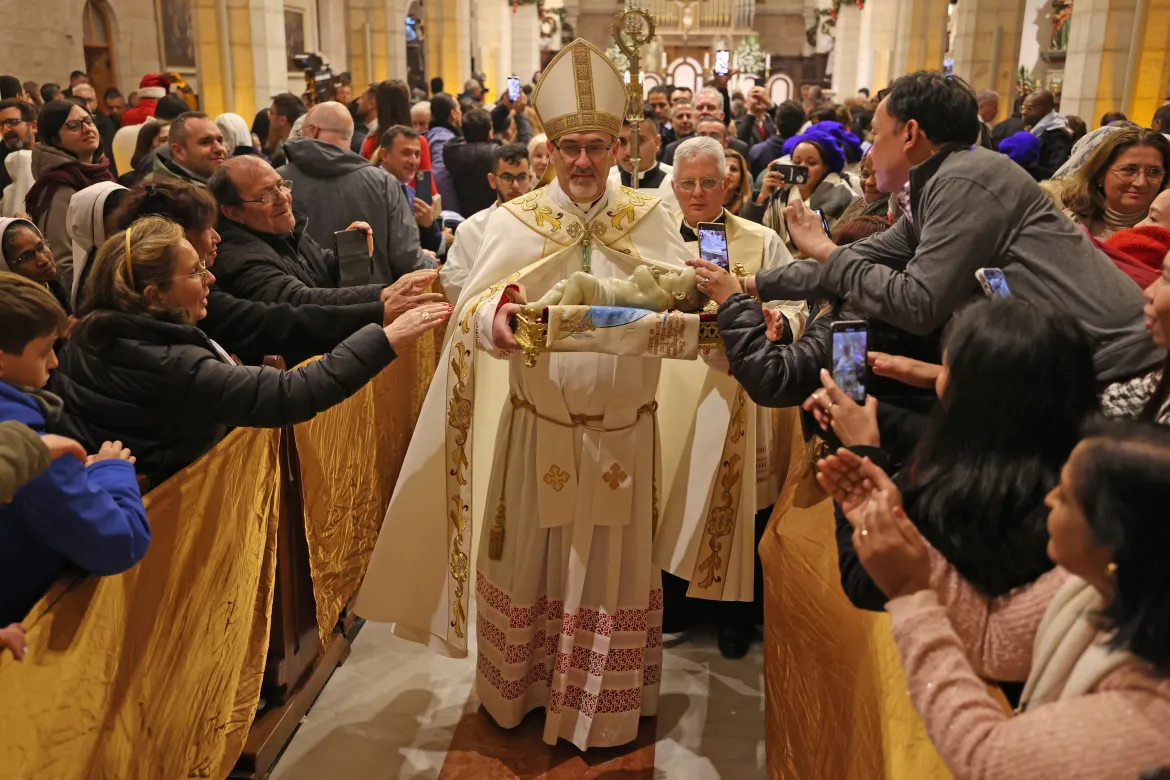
(129,269)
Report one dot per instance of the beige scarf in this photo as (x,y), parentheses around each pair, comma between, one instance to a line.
(1070,657)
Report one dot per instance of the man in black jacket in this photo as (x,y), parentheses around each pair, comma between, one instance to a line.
(757,125)
(266,254)
(470,159)
(1056,138)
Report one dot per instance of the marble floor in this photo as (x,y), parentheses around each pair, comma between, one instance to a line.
(395,710)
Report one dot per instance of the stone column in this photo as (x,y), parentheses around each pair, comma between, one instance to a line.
(269,58)
(987,46)
(1117,59)
(922,36)
(525,42)
(883,28)
(847,52)
(449,42)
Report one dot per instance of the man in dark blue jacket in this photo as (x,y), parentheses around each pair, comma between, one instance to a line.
(72,515)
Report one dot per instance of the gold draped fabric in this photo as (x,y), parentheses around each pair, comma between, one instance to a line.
(156,672)
(835,696)
(350,457)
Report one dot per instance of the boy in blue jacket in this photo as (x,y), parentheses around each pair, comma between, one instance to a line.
(89,516)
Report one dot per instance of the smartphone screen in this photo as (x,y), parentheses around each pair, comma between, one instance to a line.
(824,222)
(722,62)
(850,342)
(793,174)
(422,186)
(513,88)
(713,244)
(993,282)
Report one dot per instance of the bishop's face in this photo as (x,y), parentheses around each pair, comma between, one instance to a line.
(583,161)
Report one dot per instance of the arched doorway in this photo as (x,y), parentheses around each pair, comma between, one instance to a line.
(98,38)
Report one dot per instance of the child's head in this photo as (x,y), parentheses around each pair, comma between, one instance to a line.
(30,321)
(26,252)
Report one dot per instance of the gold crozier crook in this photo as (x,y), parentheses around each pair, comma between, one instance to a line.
(632,29)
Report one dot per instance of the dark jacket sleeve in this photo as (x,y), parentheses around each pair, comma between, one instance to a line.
(246,327)
(774,375)
(1054,152)
(262,397)
(260,280)
(22,457)
(743,129)
(859,587)
(524,132)
(92,515)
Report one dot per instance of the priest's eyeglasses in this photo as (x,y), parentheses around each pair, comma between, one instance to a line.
(272,197)
(572,152)
(708,183)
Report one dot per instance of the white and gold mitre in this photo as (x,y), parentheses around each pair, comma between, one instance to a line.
(580,91)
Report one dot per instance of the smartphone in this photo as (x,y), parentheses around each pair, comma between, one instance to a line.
(353,257)
(850,344)
(513,89)
(713,244)
(722,62)
(422,186)
(824,222)
(793,174)
(993,282)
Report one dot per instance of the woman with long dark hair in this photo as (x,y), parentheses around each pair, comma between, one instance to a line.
(67,159)
(392,98)
(1016,385)
(1090,640)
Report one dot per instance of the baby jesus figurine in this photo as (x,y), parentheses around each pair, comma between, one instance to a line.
(648,288)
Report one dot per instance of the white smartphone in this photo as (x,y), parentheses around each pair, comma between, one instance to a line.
(993,283)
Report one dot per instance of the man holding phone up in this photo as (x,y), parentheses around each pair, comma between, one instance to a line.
(700,183)
(401,155)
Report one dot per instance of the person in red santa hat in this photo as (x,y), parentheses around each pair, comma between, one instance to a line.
(153,88)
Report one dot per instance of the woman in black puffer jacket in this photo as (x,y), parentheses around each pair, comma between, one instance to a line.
(138,369)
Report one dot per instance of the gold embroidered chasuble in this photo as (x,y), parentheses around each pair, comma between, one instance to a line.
(584,446)
(729,460)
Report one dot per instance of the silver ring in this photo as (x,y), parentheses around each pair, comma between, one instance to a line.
(426,315)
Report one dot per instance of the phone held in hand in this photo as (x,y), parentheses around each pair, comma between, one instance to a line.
(824,222)
(722,62)
(993,283)
(793,174)
(850,345)
(353,257)
(513,89)
(422,187)
(713,244)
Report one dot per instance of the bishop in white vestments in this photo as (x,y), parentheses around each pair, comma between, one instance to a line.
(568,599)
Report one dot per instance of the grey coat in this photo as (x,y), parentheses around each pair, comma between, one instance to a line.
(973,208)
(334,187)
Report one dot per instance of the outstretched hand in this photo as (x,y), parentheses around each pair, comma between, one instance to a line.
(890,547)
(906,370)
(854,425)
(714,281)
(806,231)
(407,328)
(851,480)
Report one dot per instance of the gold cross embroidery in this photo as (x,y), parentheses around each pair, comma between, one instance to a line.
(615,476)
(556,479)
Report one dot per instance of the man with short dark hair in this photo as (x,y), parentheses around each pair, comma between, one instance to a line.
(682,125)
(654,175)
(790,118)
(284,112)
(50,92)
(1161,121)
(401,156)
(326,173)
(659,100)
(365,116)
(196,148)
(76,78)
(115,105)
(1056,138)
(509,179)
(436,86)
(988,102)
(265,254)
(757,125)
(10,87)
(708,106)
(18,129)
(470,160)
(966,208)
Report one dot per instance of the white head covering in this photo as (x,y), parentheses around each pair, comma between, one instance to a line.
(235,130)
(5,223)
(1083,148)
(580,91)
(86,222)
(19,167)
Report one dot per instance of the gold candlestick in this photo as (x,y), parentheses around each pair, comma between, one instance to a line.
(632,29)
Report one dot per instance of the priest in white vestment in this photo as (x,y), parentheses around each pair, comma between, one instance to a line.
(654,177)
(511,177)
(568,598)
(715,512)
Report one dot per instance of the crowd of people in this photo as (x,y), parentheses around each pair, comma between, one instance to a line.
(997,492)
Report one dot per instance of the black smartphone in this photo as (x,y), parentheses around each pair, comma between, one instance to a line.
(993,283)
(722,62)
(513,89)
(850,345)
(713,244)
(793,174)
(353,257)
(422,186)
(824,222)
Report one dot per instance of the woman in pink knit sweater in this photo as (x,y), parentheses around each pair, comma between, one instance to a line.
(1091,637)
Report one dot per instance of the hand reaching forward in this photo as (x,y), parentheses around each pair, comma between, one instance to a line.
(851,480)
(406,329)
(775,322)
(111,450)
(806,231)
(891,548)
(906,370)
